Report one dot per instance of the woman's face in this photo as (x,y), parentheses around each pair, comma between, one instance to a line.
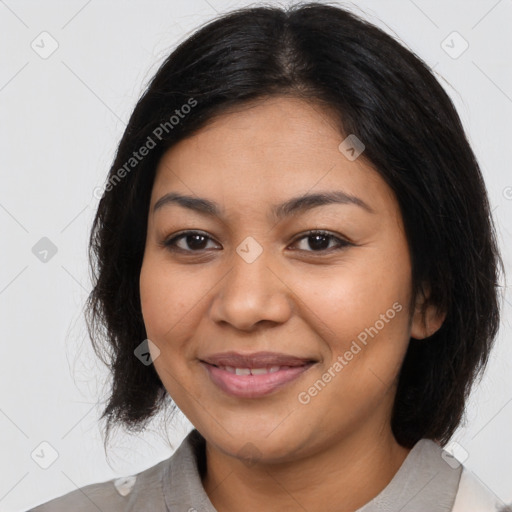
(331,308)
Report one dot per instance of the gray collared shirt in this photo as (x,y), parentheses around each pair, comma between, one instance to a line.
(425,482)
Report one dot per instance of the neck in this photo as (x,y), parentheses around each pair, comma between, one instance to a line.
(342,477)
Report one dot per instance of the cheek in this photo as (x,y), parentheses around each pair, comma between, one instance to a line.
(363,324)
(361,313)
(168,306)
(165,300)
(345,301)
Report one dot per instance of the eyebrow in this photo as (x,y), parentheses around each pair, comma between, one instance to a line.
(290,207)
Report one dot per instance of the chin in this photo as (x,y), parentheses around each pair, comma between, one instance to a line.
(262,443)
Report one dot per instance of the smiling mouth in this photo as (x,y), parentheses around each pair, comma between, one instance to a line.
(254,382)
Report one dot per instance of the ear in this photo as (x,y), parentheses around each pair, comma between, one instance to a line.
(427,318)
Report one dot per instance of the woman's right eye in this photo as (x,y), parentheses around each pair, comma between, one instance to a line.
(191,241)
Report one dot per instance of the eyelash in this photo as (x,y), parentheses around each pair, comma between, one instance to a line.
(342,244)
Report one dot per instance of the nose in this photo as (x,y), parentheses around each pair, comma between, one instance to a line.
(252,294)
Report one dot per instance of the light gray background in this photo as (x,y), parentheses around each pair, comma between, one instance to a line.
(61,118)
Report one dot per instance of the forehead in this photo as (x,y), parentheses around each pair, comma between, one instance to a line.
(273,148)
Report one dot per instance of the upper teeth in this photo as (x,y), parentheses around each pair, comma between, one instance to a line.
(250,371)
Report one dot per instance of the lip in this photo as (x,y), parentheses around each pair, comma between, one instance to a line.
(254,386)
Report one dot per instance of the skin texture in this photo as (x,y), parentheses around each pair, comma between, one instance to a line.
(336,452)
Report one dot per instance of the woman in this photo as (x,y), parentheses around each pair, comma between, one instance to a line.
(295,245)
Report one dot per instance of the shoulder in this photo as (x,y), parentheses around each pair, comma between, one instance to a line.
(473,496)
(114,495)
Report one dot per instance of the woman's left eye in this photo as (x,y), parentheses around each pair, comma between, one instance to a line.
(196,241)
(320,241)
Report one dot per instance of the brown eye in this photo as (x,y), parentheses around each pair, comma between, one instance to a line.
(188,241)
(319,241)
